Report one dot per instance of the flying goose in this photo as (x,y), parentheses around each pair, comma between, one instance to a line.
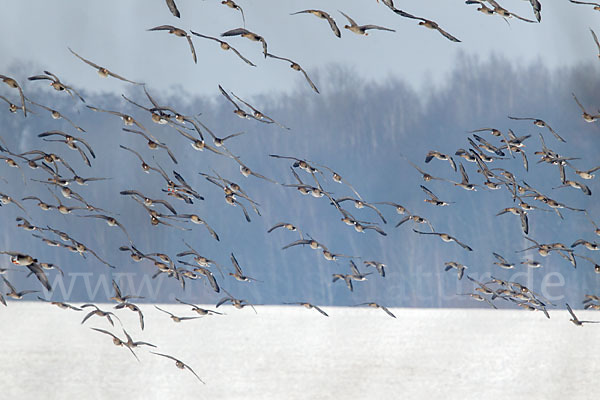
(233,5)
(103,72)
(174,317)
(322,15)
(15,85)
(13,292)
(56,115)
(586,117)
(180,33)
(225,46)
(310,306)
(460,268)
(200,311)
(248,35)
(179,364)
(100,313)
(576,320)
(446,238)
(375,305)
(296,67)
(427,24)
(56,84)
(362,29)
(539,123)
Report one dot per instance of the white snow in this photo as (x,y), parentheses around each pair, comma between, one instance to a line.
(295,353)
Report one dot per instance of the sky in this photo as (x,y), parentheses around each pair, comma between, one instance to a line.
(114,34)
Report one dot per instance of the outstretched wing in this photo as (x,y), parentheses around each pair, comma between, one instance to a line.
(173,8)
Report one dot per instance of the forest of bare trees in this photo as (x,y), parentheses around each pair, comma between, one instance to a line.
(364,131)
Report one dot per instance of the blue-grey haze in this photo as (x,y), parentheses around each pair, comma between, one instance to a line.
(360,128)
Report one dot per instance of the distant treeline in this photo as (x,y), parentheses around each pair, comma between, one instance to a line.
(364,131)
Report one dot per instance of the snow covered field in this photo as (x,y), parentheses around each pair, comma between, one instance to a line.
(291,352)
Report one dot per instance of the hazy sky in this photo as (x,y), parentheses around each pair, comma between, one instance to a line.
(113,33)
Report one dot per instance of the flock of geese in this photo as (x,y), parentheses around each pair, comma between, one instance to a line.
(306,176)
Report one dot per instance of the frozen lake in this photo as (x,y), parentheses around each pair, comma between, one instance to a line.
(292,352)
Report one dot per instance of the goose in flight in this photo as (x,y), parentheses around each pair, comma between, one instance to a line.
(116,341)
(180,33)
(427,24)
(248,35)
(286,225)
(310,306)
(502,262)
(577,185)
(207,273)
(433,199)
(464,183)
(133,308)
(179,364)
(362,29)
(400,209)
(71,142)
(237,303)
(128,120)
(589,174)
(239,274)
(153,143)
(521,213)
(258,115)
(576,320)
(588,245)
(225,46)
(238,110)
(45,206)
(118,297)
(540,123)
(6,199)
(147,201)
(499,10)
(426,177)
(361,204)
(311,242)
(586,117)
(296,67)
(233,5)
(13,292)
(12,107)
(537,9)
(375,305)
(99,313)
(103,72)
(356,274)
(246,171)
(440,156)
(478,297)
(460,269)
(56,84)
(15,85)
(174,317)
(325,16)
(487,146)
(416,219)
(60,304)
(346,278)
(199,310)
(380,267)
(446,238)
(57,115)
